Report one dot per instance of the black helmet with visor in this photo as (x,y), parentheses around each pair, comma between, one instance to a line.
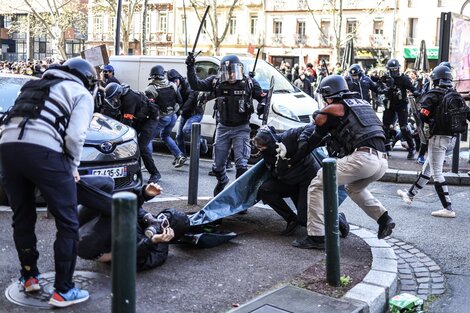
(231,69)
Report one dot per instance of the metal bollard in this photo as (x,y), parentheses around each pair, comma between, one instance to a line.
(123,266)
(330,200)
(194,163)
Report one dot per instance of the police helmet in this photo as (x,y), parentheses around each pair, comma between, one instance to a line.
(393,67)
(231,69)
(355,70)
(157,72)
(441,76)
(82,69)
(446,63)
(179,222)
(333,86)
(112,94)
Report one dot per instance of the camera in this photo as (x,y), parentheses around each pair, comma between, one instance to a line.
(155,225)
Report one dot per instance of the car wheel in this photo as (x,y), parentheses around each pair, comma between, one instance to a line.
(255,154)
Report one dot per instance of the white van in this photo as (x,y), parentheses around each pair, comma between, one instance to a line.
(290,107)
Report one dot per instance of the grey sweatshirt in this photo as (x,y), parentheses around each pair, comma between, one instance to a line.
(76,100)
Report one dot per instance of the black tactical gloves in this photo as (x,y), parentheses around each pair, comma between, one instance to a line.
(190,60)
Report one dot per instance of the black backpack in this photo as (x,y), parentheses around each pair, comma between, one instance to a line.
(451,113)
(148,108)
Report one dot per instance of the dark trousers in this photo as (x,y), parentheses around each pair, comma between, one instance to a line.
(26,166)
(401,112)
(272,192)
(145,132)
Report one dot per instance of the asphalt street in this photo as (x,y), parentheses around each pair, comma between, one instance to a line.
(444,240)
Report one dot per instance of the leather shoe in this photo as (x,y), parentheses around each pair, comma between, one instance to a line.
(290,228)
(310,242)
(386,226)
(343,225)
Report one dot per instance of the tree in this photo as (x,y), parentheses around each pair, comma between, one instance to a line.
(200,5)
(127,16)
(53,18)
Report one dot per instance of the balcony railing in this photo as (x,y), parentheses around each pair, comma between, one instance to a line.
(277,40)
(300,39)
(378,41)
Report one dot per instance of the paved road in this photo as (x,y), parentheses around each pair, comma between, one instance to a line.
(444,240)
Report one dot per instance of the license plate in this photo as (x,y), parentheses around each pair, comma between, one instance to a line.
(114,172)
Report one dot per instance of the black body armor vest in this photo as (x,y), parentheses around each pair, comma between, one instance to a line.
(358,125)
(234,103)
(166,100)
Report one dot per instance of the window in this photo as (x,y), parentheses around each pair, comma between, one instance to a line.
(378,27)
(183,22)
(351,27)
(412,27)
(301,29)
(277,27)
(438,27)
(98,27)
(254,24)
(443,3)
(412,3)
(162,25)
(325,28)
(233,26)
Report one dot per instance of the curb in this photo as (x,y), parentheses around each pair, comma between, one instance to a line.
(381,283)
(409,177)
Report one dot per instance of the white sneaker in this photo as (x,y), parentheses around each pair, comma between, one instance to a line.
(444,213)
(404,196)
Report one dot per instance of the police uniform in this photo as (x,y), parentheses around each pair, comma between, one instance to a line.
(356,139)
(134,110)
(41,148)
(441,140)
(234,107)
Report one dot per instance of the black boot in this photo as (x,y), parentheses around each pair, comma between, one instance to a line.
(240,172)
(386,226)
(343,225)
(310,242)
(220,185)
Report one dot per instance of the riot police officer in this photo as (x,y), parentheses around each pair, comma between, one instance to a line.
(360,83)
(234,92)
(40,145)
(357,140)
(395,86)
(135,110)
(168,100)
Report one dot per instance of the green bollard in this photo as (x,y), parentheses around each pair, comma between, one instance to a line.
(123,266)
(330,200)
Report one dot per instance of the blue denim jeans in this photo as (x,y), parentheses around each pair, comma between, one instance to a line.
(184,130)
(163,130)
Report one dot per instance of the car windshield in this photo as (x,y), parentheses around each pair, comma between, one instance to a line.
(10,87)
(263,73)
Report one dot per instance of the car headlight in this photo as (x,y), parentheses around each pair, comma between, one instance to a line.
(129,135)
(284,111)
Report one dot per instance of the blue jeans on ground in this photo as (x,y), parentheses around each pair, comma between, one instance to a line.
(184,131)
(163,130)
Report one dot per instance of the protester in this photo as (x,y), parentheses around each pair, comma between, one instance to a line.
(360,83)
(40,145)
(290,181)
(361,159)
(154,232)
(168,99)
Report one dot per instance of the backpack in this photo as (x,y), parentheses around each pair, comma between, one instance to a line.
(32,101)
(148,108)
(451,113)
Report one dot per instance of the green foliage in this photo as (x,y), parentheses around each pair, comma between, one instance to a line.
(344,280)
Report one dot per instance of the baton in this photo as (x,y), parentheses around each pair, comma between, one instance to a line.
(252,73)
(200,28)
